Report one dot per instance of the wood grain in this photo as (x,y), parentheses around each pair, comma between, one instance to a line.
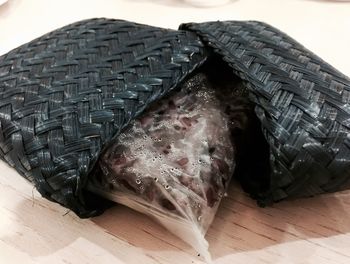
(34,230)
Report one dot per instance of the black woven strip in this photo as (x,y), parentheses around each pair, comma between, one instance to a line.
(301,101)
(65,95)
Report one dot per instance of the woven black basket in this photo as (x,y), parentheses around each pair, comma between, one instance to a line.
(66,95)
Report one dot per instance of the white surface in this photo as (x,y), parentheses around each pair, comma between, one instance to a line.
(321,25)
(34,230)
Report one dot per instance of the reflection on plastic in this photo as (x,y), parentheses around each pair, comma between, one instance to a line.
(173,163)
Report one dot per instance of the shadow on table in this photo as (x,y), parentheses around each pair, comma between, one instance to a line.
(8,7)
(41,228)
(245,227)
(240,226)
(188,3)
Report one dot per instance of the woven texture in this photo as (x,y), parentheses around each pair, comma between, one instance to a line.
(301,101)
(65,95)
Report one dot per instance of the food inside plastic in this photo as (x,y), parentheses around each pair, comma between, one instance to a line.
(174,162)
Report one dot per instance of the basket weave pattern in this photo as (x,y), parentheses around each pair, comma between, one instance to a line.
(65,95)
(301,101)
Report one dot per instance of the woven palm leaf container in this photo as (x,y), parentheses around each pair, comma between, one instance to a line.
(66,95)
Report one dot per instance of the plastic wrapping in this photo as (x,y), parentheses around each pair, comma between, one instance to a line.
(174,162)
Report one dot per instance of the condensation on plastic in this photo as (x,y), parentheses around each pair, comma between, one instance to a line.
(173,163)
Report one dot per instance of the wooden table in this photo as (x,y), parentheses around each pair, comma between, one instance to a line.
(317,230)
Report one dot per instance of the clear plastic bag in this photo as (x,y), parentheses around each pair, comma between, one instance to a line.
(173,163)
